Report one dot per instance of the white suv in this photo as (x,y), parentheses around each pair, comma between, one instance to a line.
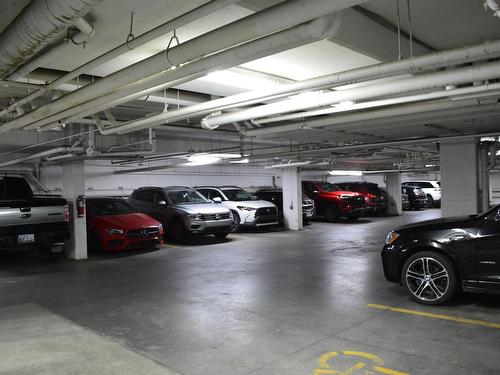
(247,210)
(431,188)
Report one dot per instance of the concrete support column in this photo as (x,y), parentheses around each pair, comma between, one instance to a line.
(459,177)
(292,198)
(393,181)
(73,186)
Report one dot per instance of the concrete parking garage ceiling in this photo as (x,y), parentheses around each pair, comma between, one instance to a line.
(365,38)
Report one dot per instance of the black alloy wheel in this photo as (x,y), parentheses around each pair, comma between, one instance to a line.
(429,278)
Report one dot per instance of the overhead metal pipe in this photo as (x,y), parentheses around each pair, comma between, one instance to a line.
(408,114)
(53,151)
(277,42)
(411,65)
(38,24)
(157,32)
(402,86)
(269,21)
(478,91)
(364,146)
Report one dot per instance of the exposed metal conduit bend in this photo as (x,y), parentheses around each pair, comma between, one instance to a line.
(37,25)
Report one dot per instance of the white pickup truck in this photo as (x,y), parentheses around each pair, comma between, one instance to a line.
(28,220)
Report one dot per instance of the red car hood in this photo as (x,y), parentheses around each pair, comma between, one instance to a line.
(127,221)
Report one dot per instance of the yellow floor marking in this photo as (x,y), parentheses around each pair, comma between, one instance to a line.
(456,319)
(376,364)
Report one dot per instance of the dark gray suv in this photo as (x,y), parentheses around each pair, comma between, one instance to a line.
(182,211)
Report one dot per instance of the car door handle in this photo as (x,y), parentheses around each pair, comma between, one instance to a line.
(25,216)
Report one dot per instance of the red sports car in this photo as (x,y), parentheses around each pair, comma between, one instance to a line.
(114,225)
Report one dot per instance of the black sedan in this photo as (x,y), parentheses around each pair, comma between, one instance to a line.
(276,196)
(434,259)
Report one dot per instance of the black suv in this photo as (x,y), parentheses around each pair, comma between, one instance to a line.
(416,197)
(434,259)
(276,196)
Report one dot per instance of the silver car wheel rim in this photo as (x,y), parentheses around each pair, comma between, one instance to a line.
(427,279)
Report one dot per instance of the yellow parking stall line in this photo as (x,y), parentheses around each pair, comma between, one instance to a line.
(450,318)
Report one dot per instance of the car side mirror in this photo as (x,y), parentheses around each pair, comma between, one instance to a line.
(217,200)
(161,203)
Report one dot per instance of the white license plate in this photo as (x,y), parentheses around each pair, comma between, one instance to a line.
(26,238)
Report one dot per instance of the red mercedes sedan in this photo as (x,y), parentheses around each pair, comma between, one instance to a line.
(114,225)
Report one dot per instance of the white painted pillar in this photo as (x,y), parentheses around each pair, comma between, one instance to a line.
(73,186)
(459,177)
(393,181)
(292,198)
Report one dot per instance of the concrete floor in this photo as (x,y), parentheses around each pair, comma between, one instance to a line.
(257,303)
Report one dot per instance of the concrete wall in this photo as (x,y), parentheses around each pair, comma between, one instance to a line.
(100,179)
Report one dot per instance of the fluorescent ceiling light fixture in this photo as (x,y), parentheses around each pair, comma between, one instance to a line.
(242,161)
(346,173)
(240,80)
(430,165)
(201,159)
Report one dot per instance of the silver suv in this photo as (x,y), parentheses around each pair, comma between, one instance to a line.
(183,211)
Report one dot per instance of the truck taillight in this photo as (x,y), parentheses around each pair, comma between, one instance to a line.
(66,213)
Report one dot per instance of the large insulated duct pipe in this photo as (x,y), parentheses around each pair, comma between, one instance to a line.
(274,19)
(87,31)
(37,25)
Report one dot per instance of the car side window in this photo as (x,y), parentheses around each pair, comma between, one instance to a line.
(215,194)
(145,196)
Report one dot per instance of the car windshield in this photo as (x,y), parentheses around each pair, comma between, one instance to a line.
(187,196)
(238,195)
(106,207)
(328,187)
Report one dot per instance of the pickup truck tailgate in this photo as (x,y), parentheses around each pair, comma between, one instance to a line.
(32,211)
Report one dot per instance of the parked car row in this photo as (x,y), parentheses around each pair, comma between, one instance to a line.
(181,212)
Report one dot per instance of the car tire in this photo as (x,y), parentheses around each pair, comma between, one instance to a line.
(236,220)
(221,235)
(431,200)
(331,213)
(430,278)
(176,231)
